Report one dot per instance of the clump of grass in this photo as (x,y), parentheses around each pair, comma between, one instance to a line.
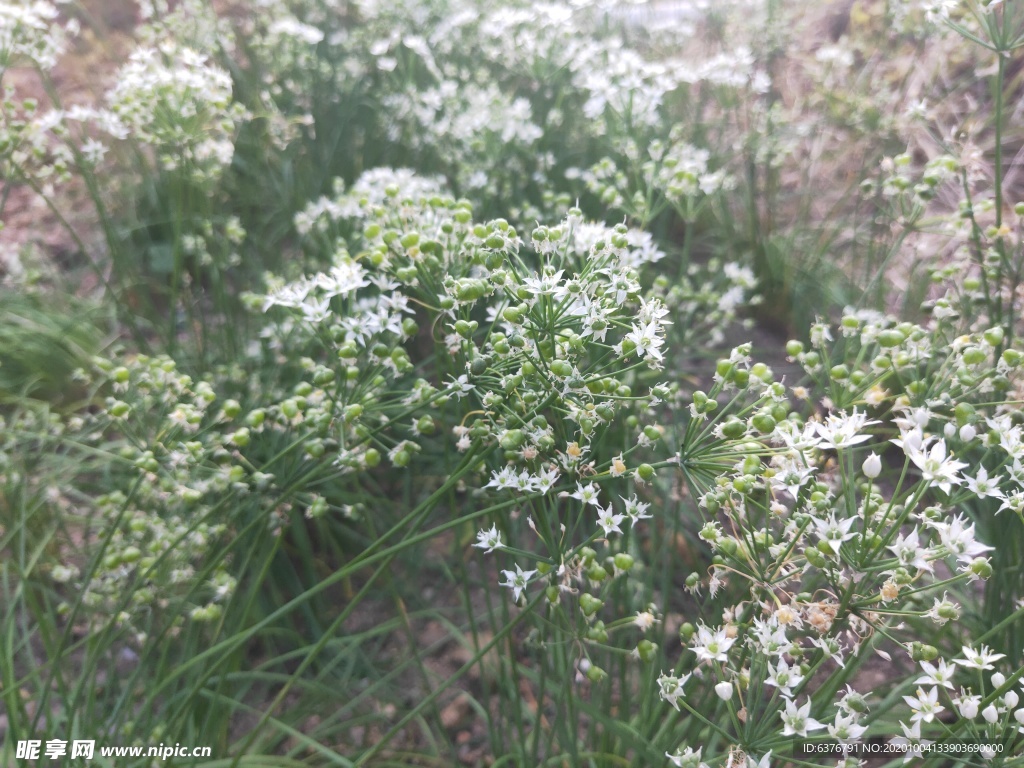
(44,339)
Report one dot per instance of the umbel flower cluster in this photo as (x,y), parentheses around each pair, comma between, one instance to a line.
(837,561)
(542,337)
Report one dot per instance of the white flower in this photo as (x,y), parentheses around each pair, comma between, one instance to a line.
(686,758)
(505,478)
(798,720)
(846,729)
(982,486)
(609,521)
(636,509)
(936,467)
(724,690)
(968,705)
(711,646)
(840,431)
(517,581)
(670,688)
(588,494)
(489,540)
(648,340)
(784,678)
(982,659)
(936,675)
(834,533)
(925,705)
(958,538)
(911,737)
(909,553)
(547,479)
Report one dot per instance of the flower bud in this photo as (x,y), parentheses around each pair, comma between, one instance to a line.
(990,713)
(968,708)
(724,690)
(872,466)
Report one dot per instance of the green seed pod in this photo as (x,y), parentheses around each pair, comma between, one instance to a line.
(623,561)
(974,356)
(890,338)
(479,365)
(1012,357)
(686,632)
(994,336)
(981,568)
(815,557)
(922,652)
(733,428)
(513,439)
(590,604)
(646,650)
(763,423)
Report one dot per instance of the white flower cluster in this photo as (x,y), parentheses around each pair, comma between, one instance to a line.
(30,34)
(175,100)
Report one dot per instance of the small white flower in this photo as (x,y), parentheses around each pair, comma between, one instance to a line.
(984,487)
(636,509)
(942,674)
(588,494)
(784,678)
(517,581)
(724,690)
(968,705)
(798,720)
(670,688)
(982,659)
(711,646)
(609,521)
(489,540)
(925,705)
(686,758)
